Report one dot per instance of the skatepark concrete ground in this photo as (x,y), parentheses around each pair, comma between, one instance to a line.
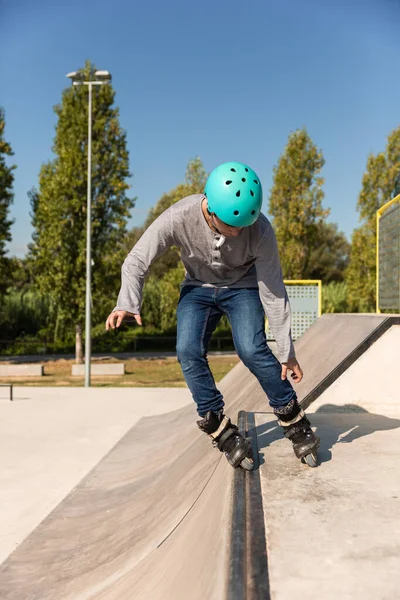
(334,531)
(115,494)
(51,438)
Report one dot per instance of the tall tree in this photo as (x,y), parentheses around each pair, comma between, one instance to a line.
(380,183)
(195,182)
(330,256)
(296,203)
(361,272)
(59,209)
(6,198)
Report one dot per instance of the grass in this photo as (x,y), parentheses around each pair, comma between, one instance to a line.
(139,372)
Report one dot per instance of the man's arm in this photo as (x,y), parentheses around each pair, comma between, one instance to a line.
(273,294)
(154,242)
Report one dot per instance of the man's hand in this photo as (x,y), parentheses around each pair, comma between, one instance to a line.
(292,365)
(115,318)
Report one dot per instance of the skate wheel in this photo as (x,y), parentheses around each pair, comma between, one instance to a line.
(311,459)
(247,464)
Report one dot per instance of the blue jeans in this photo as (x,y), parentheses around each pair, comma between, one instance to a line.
(199,311)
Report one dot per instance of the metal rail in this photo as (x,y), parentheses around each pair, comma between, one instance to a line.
(248,577)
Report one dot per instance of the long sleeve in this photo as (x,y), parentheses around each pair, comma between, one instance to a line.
(273,294)
(154,242)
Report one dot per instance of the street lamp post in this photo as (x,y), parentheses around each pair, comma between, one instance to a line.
(78,78)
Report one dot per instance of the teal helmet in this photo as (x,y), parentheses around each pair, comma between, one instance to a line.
(234,194)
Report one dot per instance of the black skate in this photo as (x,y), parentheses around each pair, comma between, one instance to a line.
(226,437)
(305,442)
(297,428)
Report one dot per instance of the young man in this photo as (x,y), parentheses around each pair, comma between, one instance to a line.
(229,250)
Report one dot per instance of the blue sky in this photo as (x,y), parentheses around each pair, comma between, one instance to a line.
(217,79)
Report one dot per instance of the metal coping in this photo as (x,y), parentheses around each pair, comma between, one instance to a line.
(248,577)
(349,360)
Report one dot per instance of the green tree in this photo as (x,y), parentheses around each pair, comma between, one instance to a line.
(361,272)
(58,251)
(380,183)
(6,198)
(20,276)
(170,296)
(151,304)
(329,257)
(296,203)
(195,181)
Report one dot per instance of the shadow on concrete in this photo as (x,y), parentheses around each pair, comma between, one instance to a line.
(267,433)
(6,399)
(334,425)
(345,424)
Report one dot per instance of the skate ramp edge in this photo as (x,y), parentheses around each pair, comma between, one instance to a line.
(370,382)
(325,351)
(150,522)
(332,345)
(248,572)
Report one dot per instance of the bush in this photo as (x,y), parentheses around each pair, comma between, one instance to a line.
(23,313)
(334,298)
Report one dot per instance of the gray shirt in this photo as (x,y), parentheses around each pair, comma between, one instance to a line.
(249,260)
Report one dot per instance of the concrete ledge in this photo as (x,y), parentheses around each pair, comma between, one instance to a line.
(104,369)
(21,370)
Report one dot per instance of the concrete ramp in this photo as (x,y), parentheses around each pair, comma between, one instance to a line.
(151,521)
(332,345)
(325,352)
(334,531)
(89,546)
(371,382)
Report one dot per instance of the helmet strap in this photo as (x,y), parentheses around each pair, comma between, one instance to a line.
(213,223)
(211,215)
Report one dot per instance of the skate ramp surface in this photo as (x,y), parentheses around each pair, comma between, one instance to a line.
(372,382)
(91,544)
(51,438)
(150,521)
(331,345)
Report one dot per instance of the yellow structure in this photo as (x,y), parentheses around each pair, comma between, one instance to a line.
(305,297)
(379,215)
(316,282)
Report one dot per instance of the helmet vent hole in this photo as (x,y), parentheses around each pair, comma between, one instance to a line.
(246,169)
(243,179)
(251,192)
(253,212)
(238,193)
(255,181)
(234,170)
(228,182)
(236,212)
